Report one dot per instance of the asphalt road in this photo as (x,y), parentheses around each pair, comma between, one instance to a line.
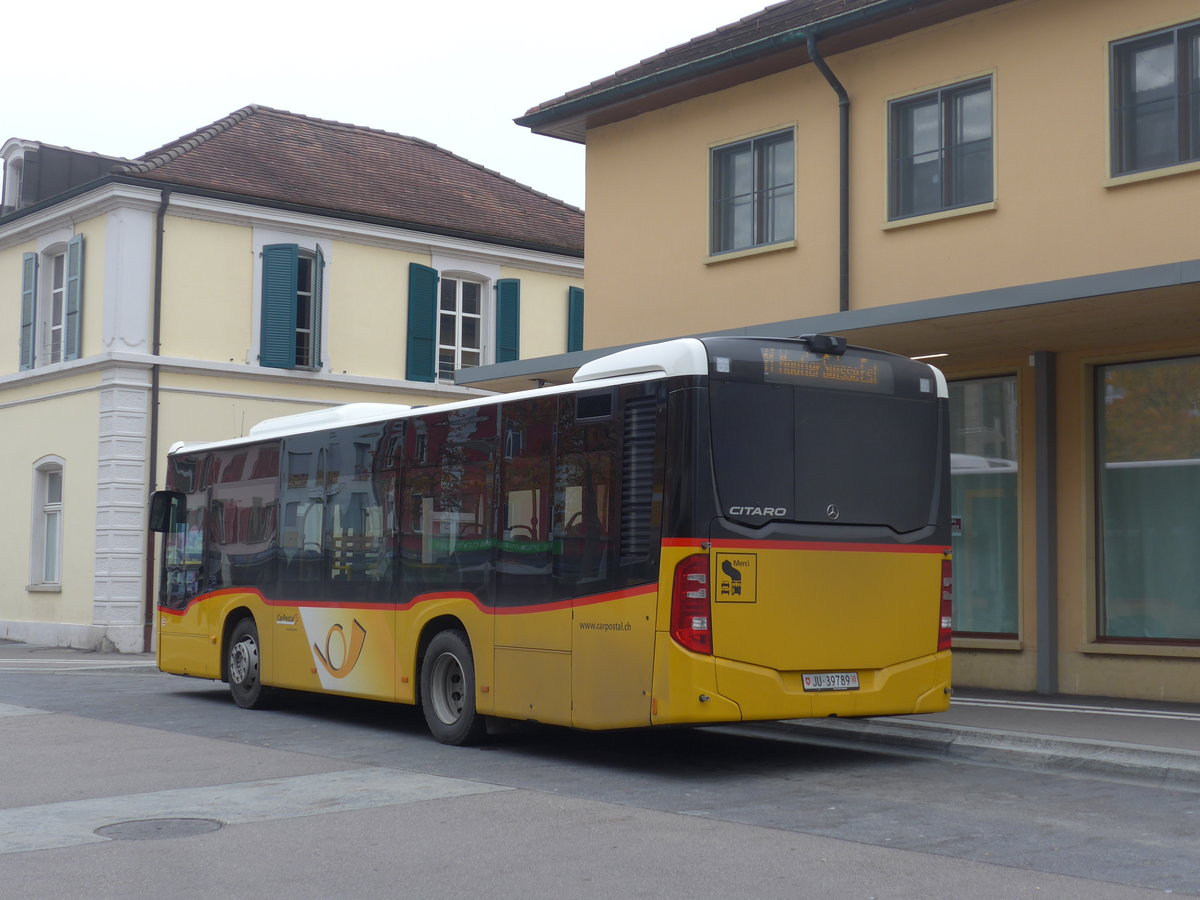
(327,796)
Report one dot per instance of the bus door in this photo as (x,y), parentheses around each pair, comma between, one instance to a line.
(608,474)
(532,631)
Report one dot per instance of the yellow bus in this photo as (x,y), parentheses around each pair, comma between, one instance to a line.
(702,530)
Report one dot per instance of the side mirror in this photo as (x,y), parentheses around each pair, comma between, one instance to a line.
(166,509)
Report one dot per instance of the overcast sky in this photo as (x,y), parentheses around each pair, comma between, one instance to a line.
(124,79)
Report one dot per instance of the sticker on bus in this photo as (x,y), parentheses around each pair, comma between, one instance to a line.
(830,681)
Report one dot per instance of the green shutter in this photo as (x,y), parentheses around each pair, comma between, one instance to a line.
(277,341)
(421,361)
(508,319)
(73,314)
(318,304)
(29,267)
(574,319)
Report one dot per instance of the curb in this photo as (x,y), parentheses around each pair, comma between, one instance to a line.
(1160,766)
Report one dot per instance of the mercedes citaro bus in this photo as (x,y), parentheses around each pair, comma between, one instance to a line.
(702,530)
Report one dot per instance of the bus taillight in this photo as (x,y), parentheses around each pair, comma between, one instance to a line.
(946,623)
(690,609)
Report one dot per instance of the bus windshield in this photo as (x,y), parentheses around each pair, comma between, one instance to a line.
(833,447)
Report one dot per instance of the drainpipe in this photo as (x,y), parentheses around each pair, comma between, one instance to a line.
(152,450)
(844,170)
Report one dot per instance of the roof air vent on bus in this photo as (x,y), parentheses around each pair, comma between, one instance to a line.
(825,343)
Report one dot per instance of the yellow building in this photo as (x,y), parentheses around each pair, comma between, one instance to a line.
(1005,185)
(266,264)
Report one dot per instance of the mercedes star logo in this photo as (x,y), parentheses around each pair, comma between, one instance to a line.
(832,511)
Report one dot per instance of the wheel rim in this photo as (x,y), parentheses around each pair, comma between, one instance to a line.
(447,689)
(243,661)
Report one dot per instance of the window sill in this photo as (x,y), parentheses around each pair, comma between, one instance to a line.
(44,588)
(939,216)
(750,251)
(1152,174)
(974,643)
(1185,651)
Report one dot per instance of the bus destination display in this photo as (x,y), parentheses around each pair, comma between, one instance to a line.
(787,365)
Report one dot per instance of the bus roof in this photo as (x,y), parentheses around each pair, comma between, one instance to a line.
(664,359)
(366,413)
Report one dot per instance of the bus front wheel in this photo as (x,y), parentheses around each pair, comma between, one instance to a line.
(243,664)
(448,690)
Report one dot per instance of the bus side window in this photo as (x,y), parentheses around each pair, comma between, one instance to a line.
(303,511)
(242,516)
(584,484)
(446,511)
(523,564)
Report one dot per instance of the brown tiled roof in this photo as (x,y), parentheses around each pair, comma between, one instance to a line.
(777,33)
(773,20)
(280,157)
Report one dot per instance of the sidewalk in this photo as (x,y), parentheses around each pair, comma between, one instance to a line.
(1147,742)
(1131,740)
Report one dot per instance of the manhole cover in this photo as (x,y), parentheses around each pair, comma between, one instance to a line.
(156,829)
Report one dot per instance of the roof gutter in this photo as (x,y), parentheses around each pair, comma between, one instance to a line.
(776,43)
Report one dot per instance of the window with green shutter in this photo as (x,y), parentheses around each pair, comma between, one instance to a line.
(454,322)
(292,307)
(52,305)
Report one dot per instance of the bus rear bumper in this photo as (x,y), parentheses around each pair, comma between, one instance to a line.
(691,688)
(916,686)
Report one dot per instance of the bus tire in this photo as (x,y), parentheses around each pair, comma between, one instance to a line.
(448,690)
(244,666)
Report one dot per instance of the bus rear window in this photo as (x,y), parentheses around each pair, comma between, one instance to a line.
(788,452)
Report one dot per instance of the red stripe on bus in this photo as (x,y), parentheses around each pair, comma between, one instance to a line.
(420,598)
(168,611)
(835,546)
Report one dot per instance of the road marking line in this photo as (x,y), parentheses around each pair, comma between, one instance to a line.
(73,822)
(13,664)
(9,710)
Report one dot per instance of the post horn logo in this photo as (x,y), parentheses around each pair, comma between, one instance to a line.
(349,653)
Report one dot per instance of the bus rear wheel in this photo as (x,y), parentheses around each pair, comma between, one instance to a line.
(448,690)
(244,666)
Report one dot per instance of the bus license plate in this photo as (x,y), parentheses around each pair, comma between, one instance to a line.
(831,681)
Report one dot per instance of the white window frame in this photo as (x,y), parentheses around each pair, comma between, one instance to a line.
(14,177)
(460,318)
(309,257)
(46,530)
(484,274)
(52,299)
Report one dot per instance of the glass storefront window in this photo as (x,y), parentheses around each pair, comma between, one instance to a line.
(1148,473)
(983,497)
